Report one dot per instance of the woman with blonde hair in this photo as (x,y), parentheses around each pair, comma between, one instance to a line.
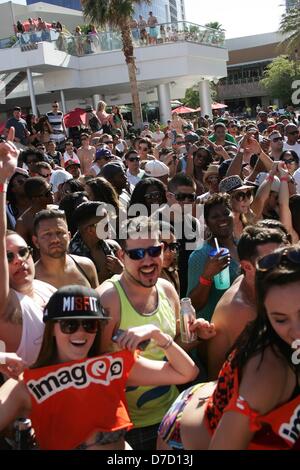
(103,117)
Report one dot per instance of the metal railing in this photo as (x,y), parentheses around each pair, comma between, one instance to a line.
(82,45)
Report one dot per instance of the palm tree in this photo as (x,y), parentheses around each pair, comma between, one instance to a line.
(117,14)
(290,26)
(214,25)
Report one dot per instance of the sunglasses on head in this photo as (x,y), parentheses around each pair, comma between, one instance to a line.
(274,259)
(23,253)
(134,159)
(70,326)
(174,246)
(153,195)
(140,253)
(180,197)
(241,195)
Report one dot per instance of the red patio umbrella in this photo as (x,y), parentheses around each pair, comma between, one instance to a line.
(183,110)
(215,106)
(75,118)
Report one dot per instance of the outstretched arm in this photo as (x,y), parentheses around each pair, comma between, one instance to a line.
(284,209)
(8,162)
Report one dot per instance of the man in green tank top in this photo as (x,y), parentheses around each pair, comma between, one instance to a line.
(139,297)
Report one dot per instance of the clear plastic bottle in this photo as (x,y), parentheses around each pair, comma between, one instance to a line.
(187,316)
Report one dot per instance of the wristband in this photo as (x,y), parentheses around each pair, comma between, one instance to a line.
(285,178)
(168,343)
(3,187)
(205,282)
(241,150)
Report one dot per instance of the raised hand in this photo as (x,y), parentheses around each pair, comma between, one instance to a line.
(8,156)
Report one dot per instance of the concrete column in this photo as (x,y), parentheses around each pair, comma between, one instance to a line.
(63,102)
(164,99)
(31,92)
(205,98)
(96,99)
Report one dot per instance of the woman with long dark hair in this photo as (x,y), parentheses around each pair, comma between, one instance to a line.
(255,404)
(148,192)
(17,201)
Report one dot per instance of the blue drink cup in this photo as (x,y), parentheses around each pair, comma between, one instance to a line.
(222,280)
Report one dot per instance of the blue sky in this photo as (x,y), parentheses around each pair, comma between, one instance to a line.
(239,17)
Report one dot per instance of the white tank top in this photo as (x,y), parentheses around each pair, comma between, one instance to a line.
(32,321)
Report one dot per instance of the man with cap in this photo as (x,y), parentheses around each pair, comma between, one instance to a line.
(21,131)
(134,172)
(74,168)
(102,157)
(263,121)
(86,154)
(57,180)
(88,241)
(211,181)
(159,170)
(116,175)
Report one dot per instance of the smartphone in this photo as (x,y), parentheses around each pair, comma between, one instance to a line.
(142,346)
(107,250)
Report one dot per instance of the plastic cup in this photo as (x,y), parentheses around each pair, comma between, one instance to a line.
(221,280)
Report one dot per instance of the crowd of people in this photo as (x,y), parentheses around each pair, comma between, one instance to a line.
(99,241)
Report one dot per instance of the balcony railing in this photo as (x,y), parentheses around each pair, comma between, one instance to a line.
(82,45)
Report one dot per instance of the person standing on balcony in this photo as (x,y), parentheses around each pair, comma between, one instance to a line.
(134,26)
(152,23)
(143,30)
(56,120)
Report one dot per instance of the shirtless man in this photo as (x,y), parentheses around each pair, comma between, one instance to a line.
(55,266)
(86,154)
(152,23)
(237,307)
(22,297)
(39,193)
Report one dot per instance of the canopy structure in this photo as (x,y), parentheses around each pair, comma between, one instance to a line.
(75,118)
(183,110)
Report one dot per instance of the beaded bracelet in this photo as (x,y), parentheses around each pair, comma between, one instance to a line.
(168,343)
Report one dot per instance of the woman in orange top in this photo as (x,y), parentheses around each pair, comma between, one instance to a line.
(74,395)
(256,402)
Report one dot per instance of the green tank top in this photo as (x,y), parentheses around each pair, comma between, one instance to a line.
(148,405)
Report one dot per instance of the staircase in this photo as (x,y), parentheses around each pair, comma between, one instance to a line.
(10,81)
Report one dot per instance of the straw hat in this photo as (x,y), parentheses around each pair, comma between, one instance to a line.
(211,170)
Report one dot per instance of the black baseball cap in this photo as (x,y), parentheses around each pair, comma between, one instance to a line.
(17,108)
(74,302)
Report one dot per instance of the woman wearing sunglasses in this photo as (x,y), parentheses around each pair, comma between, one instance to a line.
(256,402)
(241,196)
(74,394)
(148,192)
(291,159)
(170,269)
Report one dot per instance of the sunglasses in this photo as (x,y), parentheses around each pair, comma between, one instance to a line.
(140,253)
(274,259)
(293,133)
(180,197)
(134,159)
(23,253)
(182,142)
(290,161)
(171,246)
(70,326)
(152,196)
(143,149)
(44,176)
(278,139)
(241,195)
(108,142)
